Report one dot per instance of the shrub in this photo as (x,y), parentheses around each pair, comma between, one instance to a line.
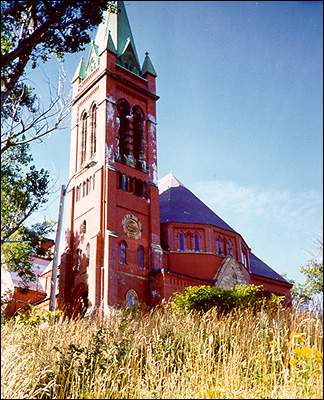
(202,298)
(31,316)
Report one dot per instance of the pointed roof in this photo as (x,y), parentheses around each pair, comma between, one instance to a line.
(258,267)
(80,71)
(118,27)
(148,66)
(111,45)
(180,205)
(167,182)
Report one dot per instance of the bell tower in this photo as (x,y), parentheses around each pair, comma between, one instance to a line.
(113,214)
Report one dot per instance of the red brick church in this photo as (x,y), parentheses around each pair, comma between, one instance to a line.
(130,238)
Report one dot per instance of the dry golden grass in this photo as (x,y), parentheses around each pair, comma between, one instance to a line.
(161,354)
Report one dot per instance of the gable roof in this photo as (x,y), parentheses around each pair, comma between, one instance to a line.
(178,204)
(258,267)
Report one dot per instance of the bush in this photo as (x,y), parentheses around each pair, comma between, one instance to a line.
(202,298)
(34,317)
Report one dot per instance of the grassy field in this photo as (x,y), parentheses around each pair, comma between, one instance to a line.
(161,354)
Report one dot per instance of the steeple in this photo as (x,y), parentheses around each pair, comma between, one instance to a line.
(121,38)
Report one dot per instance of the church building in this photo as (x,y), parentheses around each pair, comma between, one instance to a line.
(129,238)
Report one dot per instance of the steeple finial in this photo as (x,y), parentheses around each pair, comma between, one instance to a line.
(148,66)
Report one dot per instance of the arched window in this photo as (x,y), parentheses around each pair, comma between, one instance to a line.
(219,247)
(83,189)
(124,183)
(140,257)
(131,298)
(138,136)
(78,259)
(197,242)
(181,239)
(88,254)
(87,187)
(244,258)
(94,181)
(93,137)
(83,138)
(84,227)
(229,247)
(125,139)
(77,195)
(122,256)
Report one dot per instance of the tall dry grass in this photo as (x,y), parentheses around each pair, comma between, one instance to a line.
(161,354)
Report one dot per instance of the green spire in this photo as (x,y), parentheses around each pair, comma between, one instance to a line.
(80,71)
(114,32)
(148,66)
(93,58)
(110,44)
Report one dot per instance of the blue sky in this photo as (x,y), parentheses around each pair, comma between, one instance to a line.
(239,117)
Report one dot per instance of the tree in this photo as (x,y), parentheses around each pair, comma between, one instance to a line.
(313,271)
(32,31)
(24,189)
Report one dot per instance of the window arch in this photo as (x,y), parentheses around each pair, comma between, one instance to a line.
(196,242)
(78,259)
(83,189)
(219,247)
(122,255)
(131,298)
(138,136)
(181,239)
(140,258)
(84,120)
(87,186)
(84,227)
(229,247)
(124,182)
(88,254)
(93,137)
(125,142)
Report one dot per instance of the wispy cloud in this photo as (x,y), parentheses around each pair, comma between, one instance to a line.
(281,207)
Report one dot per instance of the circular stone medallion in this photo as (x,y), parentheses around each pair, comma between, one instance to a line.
(132,226)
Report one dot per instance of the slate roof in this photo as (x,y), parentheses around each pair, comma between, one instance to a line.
(258,267)
(178,204)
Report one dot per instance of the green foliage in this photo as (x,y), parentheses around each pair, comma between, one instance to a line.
(202,298)
(33,31)
(33,317)
(24,189)
(313,271)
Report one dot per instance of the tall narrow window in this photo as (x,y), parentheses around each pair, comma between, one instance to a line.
(219,247)
(93,138)
(124,133)
(140,258)
(78,259)
(88,254)
(83,189)
(138,136)
(229,248)
(196,242)
(181,238)
(122,256)
(83,138)
(124,183)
